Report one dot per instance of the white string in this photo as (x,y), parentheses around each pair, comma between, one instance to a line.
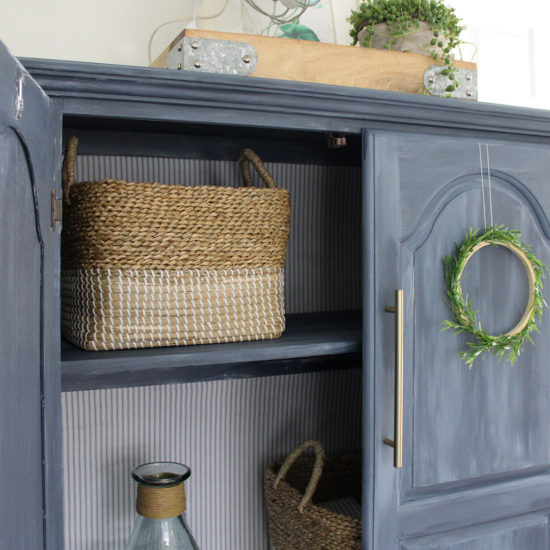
(488,184)
(153,34)
(182,20)
(489,181)
(193,24)
(284,17)
(482,187)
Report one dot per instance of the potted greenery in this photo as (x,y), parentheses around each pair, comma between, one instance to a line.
(419,26)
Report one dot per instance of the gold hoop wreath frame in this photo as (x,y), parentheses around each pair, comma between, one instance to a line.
(511,342)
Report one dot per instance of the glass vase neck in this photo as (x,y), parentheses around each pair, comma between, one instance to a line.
(161,523)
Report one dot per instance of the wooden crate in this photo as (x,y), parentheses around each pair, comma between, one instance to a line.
(305,61)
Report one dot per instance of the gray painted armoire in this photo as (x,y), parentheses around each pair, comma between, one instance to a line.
(469,467)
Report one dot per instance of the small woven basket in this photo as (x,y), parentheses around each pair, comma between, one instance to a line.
(296,518)
(150,265)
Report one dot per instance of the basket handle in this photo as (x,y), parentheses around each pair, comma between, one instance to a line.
(248,157)
(67,173)
(315,474)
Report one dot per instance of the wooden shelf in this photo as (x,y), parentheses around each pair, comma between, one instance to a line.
(311,342)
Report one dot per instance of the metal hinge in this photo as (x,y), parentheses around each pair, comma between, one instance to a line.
(212,56)
(57,209)
(336,141)
(436,83)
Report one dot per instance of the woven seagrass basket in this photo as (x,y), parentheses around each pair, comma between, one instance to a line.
(150,265)
(296,491)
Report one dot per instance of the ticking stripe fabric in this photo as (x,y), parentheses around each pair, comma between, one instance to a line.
(323,266)
(346,506)
(227,431)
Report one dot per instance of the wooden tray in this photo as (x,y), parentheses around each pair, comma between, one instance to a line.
(305,61)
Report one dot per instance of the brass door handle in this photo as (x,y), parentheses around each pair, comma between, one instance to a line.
(397,441)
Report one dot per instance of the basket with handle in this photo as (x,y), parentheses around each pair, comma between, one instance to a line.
(298,493)
(151,264)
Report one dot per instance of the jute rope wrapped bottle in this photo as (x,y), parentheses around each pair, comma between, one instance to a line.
(160,504)
(150,264)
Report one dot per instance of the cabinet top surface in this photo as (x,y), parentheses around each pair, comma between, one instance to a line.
(100,90)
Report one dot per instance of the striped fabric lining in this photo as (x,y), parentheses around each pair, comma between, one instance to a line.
(226,431)
(345,506)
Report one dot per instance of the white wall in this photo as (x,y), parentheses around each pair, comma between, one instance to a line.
(510,43)
(116,31)
(511,49)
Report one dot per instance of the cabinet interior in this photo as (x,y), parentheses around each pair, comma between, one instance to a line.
(323,267)
(238,409)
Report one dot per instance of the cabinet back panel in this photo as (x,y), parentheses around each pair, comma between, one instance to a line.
(323,270)
(227,431)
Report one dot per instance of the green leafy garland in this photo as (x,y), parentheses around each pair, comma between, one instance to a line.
(403,17)
(462,309)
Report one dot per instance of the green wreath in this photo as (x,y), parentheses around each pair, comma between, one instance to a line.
(511,342)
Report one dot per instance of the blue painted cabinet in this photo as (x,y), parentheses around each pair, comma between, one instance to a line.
(476,443)
(30,494)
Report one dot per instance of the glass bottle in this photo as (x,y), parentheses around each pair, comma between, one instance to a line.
(160,504)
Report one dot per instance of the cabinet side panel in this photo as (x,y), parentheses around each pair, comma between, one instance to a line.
(20,430)
(30,466)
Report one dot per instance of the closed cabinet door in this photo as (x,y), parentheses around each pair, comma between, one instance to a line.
(30,483)
(473,471)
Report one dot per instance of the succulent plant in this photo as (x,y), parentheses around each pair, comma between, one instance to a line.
(403,17)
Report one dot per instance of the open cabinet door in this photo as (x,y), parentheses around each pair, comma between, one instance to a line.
(475,469)
(30,494)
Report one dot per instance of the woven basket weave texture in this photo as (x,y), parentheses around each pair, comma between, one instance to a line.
(294,492)
(150,264)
